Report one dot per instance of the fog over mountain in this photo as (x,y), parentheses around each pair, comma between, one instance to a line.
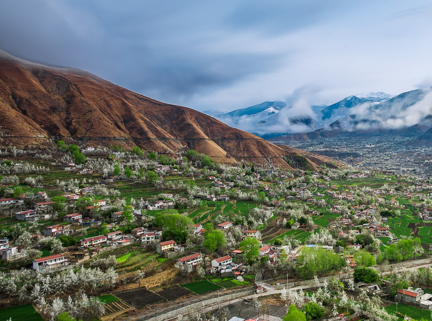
(357,112)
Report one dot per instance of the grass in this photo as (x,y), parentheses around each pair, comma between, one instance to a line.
(201,287)
(410,311)
(125,257)
(108,298)
(297,234)
(228,283)
(21,313)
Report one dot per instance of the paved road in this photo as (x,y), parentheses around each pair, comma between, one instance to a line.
(387,269)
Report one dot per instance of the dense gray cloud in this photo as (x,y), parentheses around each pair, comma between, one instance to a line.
(229,54)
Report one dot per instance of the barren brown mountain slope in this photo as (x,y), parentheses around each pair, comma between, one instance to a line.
(38,103)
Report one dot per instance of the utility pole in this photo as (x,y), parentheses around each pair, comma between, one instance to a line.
(287,281)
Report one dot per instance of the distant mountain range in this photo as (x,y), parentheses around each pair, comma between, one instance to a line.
(407,114)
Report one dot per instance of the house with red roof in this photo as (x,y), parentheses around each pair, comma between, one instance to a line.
(148,238)
(410,295)
(49,262)
(191,260)
(73,218)
(165,246)
(112,236)
(222,262)
(57,229)
(224,225)
(94,241)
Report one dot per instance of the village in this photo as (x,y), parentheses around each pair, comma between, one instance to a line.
(154,229)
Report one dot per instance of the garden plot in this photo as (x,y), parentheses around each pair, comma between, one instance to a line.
(201,287)
(175,292)
(140,298)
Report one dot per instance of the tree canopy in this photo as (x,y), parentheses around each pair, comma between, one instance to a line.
(213,239)
(294,314)
(250,247)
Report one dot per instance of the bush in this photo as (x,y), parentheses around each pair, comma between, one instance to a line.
(366,275)
(313,311)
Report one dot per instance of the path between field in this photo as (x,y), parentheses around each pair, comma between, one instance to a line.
(387,269)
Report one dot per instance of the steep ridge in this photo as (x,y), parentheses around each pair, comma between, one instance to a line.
(40,104)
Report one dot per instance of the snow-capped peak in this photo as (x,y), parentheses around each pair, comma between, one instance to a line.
(375,96)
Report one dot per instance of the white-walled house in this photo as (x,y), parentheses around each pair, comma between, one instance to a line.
(191,260)
(93,241)
(148,238)
(222,262)
(50,262)
(224,225)
(73,218)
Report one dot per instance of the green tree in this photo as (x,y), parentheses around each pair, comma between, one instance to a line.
(18,191)
(262,196)
(391,252)
(207,161)
(250,247)
(313,311)
(191,153)
(127,213)
(59,204)
(67,240)
(128,172)
(367,275)
(137,151)
(294,314)
(117,170)
(79,158)
(73,149)
(399,285)
(318,261)
(213,239)
(364,258)
(364,239)
(175,226)
(152,176)
(61,145)
(152,156)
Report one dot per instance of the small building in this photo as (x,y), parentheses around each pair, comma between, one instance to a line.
(295,226)
(165,246)
(250,233)
(29,215)
(224,225)
(222,262)
(197,228)
(116,216)
(54,230)
(410,295)
(138,231)
(50,262)
(265,250)
(192,260)
(148,238)
(114,235)
(94,241)
(73,218)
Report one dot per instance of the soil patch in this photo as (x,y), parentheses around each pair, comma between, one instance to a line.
(175,292)
(139,298)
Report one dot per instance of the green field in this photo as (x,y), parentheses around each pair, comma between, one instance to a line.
(108,298)
(297,234)
(20,313)
(201,286)
(229,282)
(410,311)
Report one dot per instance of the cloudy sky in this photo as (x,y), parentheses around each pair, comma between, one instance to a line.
(225,54)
